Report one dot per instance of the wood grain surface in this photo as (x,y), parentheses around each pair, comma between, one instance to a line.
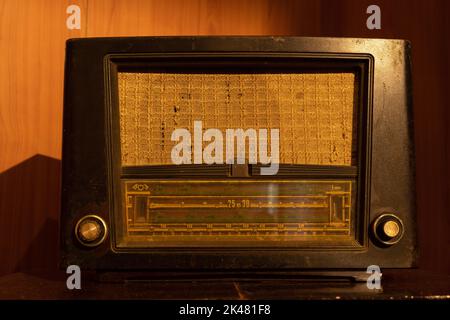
(32,40)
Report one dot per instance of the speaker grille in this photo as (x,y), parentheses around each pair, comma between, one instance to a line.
(315,112)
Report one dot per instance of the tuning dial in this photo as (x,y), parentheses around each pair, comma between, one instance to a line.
(90,230)
(387,229)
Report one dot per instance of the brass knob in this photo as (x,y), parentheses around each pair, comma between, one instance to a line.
(387,229)
(391,228)
(90,230)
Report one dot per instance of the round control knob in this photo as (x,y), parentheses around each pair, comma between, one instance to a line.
(90,230)
(387,229)
(391,229)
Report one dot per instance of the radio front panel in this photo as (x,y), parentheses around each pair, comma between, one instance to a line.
(235,153)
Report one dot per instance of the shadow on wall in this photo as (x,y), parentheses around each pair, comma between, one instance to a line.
(29,213)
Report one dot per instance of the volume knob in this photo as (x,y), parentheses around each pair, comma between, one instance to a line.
(90,230)
(391,229)
(387,229)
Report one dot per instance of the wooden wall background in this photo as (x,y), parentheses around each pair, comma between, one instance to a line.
(32,40)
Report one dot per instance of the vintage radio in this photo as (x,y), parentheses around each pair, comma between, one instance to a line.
(237,154)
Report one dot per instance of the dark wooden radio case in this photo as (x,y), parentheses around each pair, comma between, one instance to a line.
(385,167)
